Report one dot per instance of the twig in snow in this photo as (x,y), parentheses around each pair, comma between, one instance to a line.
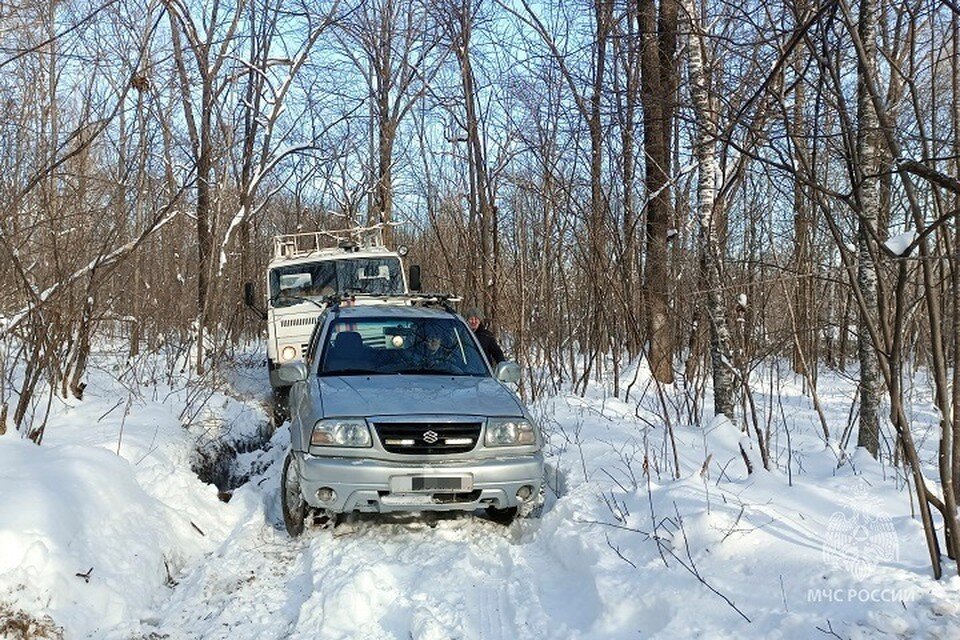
(692,567)
(734,526)
(615,481)
(110,410)
(617,551)
(613,526)
(618,509)
(723,472)
(705,467)
(85,576)
(829,631)
(123,421)
(653,517)
(152,447)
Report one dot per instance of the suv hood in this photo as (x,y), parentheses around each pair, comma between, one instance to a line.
(394,395)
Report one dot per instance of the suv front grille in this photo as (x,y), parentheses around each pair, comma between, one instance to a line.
(428,438)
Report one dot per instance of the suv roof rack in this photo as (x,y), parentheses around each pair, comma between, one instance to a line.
(442,300)
(294,245)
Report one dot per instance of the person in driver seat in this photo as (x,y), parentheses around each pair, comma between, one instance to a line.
(435,349)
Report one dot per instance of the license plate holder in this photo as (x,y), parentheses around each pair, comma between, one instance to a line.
(430,483)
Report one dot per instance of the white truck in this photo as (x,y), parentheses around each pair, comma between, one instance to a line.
(309,269)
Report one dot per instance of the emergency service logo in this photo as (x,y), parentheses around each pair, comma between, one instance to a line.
(860,537)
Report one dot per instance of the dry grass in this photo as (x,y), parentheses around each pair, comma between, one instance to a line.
(20,625)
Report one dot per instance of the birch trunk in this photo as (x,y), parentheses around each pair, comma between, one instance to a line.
(955,279)
(711,253)
(868,201)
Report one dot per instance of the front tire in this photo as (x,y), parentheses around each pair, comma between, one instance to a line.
(280,411)
(502,516)
(292,504)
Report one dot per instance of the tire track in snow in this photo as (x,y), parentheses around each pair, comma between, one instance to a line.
(466,579)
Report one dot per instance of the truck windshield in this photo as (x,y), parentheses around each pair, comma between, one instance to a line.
(415,346)
(379,276)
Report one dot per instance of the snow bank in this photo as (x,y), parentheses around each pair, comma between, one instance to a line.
(93,538)
(80,538)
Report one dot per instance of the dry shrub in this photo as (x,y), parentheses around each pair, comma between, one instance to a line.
(20,625)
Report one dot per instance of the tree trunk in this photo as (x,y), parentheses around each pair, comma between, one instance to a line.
(868,201)
(711,251)
(597,242)
(481,194)
(657,96)
(955,266)
(629,258)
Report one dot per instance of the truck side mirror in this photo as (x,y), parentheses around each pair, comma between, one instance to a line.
(414,278)
(250,301)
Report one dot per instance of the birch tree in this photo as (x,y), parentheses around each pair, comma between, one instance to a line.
(868,202)
(709,246)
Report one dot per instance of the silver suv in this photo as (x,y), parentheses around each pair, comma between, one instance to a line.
(395,408)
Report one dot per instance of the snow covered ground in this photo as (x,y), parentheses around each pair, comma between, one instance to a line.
(99,545)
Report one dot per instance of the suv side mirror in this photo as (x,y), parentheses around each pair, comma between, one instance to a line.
(414,278)
(293,372)
(508,371)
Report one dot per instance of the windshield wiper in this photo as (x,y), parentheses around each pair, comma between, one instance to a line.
(427,372)
(349,372)
(285,300)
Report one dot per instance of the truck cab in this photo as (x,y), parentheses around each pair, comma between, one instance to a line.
(306,269)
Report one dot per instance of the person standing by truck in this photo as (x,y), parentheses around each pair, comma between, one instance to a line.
(488,342)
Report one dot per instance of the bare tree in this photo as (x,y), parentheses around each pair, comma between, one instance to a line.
(210,38)
(458,25)
(659,81)
(710,248)
(867,195)
(398,43)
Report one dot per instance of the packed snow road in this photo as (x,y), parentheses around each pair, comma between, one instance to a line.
(463,578)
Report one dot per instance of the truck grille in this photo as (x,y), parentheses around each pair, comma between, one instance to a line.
(428,438)
(299,322)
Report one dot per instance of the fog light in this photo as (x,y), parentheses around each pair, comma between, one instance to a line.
(326,494)
(524,493)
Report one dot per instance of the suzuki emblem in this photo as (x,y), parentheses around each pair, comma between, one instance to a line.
(430,437)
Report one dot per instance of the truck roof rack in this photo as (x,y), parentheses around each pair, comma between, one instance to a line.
(295,245)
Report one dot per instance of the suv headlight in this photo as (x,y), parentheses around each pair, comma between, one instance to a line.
(341,432)
(509,432)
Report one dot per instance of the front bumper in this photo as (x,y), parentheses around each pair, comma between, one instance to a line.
(363,484)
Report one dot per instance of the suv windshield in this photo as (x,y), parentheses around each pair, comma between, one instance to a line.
(427,346)
(379,276)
